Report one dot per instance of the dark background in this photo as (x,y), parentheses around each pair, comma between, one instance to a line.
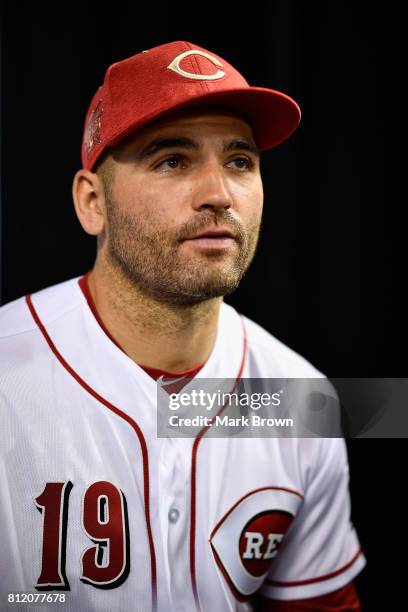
(330,271)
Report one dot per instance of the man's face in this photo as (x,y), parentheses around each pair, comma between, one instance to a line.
(165,195)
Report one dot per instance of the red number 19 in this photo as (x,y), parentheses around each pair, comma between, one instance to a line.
(104,520)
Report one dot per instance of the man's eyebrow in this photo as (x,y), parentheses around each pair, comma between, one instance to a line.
(187,143)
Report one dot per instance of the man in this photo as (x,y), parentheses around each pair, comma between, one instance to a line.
(98,510)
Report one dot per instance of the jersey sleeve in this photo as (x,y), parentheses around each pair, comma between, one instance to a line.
(320,552)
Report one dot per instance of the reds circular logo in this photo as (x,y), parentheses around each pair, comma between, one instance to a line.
(260,540)
(247,538)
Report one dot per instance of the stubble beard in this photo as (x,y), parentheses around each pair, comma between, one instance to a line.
(153,259)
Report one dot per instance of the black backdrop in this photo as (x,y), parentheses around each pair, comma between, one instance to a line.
(329,275)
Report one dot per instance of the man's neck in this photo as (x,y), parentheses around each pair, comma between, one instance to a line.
(166,336)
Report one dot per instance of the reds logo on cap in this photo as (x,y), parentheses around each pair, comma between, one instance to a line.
(175,65)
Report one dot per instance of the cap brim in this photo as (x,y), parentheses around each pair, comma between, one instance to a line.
(273,115)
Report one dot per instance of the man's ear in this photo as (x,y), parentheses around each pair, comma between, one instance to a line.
(89,201)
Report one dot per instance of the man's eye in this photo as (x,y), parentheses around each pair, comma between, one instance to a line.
(172,160)
(243,163)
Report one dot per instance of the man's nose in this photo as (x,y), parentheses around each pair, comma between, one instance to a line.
(211,187)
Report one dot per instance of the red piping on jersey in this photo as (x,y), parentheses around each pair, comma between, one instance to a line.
(129,420)
(193,478)
(319,578)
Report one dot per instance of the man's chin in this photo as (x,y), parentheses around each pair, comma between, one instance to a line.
(184,294)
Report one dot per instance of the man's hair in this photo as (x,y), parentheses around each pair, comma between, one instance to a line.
(105,164)
(104,168)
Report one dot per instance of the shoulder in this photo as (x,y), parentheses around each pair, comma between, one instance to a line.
(269,355)
(15,319)
(18,328)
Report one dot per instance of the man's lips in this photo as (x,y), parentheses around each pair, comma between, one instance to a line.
(218,233)
(219,238)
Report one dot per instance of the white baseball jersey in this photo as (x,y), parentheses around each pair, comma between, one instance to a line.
(96,507)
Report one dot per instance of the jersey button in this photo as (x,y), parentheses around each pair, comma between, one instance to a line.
(174,515)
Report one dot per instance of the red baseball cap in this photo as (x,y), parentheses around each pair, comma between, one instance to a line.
(149,85)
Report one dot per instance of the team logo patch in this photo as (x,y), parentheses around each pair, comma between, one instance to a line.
(247,539)
(93,130)
(260,540)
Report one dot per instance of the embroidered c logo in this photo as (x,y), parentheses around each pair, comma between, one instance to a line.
(175,66)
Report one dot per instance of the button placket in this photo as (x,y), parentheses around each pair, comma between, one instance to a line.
(175,463)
